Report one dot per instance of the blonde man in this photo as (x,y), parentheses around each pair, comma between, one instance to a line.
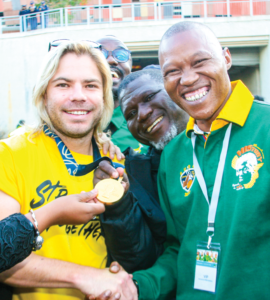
(74,103)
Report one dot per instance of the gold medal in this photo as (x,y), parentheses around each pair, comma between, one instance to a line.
(109,190)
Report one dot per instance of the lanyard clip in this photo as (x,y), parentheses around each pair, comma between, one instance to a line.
(210,236)
(209,241)
(210,232)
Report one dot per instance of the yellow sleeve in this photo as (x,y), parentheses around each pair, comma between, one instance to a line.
(8,173)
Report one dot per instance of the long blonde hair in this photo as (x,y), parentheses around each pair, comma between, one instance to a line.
(49,69)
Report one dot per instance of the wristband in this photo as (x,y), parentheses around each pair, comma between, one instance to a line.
(38,241)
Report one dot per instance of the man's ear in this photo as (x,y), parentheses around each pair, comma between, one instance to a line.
(228,57)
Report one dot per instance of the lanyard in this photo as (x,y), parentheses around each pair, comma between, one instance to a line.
(73,168)
(217,185)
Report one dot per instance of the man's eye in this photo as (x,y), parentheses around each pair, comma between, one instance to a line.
(62,85)
(200,61)
(131,114)
(170,72)
(149,97)
(91,86)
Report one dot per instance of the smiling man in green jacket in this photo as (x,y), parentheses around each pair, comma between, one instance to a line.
(195,70)
(213,179)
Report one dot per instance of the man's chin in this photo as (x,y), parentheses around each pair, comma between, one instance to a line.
(165,139)
(77,135)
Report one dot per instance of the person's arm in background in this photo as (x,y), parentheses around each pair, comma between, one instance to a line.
(128,237)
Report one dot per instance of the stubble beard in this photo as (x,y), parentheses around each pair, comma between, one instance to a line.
(60,127)
(166,138)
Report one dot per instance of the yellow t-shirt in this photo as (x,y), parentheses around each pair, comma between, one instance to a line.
(34,174)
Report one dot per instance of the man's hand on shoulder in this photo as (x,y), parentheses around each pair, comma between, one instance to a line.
(108,146)
(106,170)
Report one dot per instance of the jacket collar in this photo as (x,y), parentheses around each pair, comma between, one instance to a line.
(236,109)
(118,117)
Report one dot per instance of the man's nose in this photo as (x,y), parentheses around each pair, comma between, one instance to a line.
(189,77)
(111,60)
(144,112)
(78,93)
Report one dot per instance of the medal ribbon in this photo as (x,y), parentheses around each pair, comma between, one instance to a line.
(217,185)
(73,168)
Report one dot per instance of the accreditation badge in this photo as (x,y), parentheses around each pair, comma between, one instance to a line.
(206,268)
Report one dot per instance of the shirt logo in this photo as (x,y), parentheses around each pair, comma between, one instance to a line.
(138,150)
(187,178)
(247,163)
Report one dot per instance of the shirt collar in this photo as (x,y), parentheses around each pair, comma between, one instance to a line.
(236,109)
(197,130)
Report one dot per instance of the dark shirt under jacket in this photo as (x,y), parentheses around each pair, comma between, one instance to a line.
(135,227)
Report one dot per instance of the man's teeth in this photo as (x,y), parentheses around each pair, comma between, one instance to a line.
(155,123)
(77,112)
(114,74)
(197,96)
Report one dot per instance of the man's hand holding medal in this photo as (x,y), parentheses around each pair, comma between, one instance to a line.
(111,183)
